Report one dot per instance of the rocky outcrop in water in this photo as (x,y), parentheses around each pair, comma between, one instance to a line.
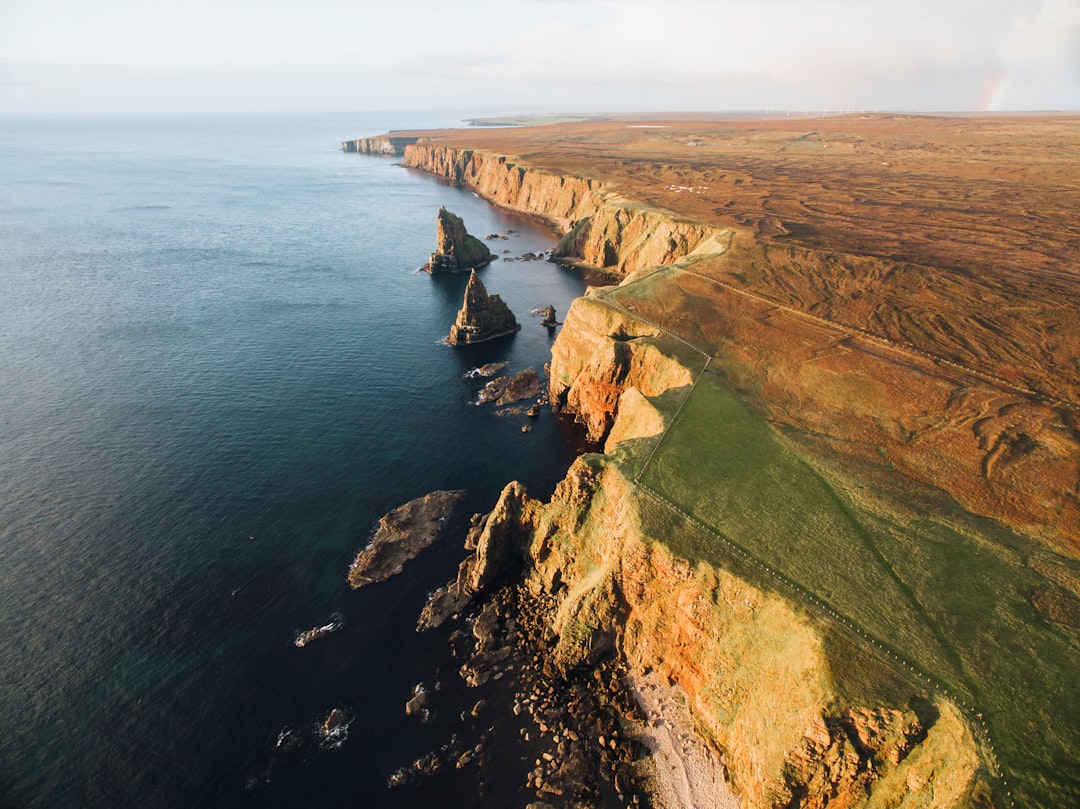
(506,390)
(457,250)
(401,535)
(481,317)
(337,620)
(546,315)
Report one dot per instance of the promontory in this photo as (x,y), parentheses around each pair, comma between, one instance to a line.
(834,396)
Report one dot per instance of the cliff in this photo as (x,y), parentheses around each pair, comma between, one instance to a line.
(457,250)
(481,317)
(1011,457)
(850,549)
(386,145)
(599,228)
(755,669)
(796,462)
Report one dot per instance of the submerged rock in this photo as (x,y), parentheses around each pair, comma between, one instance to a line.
(486,370)
(457,250)
(401,535)
(334,730)
(337,620)
(334,720)
(481,317)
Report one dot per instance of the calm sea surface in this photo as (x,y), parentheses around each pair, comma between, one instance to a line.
(218,368)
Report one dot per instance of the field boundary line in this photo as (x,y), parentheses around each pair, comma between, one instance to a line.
(984,376)
(811,601)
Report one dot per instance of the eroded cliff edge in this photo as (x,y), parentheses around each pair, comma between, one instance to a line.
(599,228)
(999,447)
(386,145)
(825,632)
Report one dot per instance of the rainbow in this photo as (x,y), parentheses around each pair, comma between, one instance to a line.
(993,93)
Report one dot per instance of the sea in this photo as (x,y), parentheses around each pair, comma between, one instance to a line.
(219,366)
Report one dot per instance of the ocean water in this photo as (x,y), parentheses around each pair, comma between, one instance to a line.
(218,368)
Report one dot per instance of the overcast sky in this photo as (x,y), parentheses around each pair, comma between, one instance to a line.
(132,56)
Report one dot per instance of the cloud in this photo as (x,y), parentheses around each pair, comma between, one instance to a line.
(1048,38)
(832,52)
(609,54)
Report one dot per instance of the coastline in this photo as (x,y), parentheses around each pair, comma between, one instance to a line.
(618,362)
(236,418)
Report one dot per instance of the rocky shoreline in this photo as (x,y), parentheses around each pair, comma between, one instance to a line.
(691,655)
(595,732)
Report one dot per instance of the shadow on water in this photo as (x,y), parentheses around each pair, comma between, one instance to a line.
(179,742)
(197,612)
(258,362)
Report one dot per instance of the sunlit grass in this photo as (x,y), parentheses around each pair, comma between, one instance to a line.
(941,600)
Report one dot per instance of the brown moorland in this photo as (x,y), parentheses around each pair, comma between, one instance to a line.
(949,243)
(880,317)
(959,236)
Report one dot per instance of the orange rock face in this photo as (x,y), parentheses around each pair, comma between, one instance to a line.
(897,297)
(908,283)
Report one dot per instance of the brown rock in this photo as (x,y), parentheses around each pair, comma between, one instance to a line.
(509,389)
(334,720)
(401,535)
(457,251)
(481,317)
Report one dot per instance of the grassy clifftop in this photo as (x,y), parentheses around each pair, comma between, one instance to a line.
(915,600)
(839,382)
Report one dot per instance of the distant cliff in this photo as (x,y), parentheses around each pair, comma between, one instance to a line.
(894,445)
(599,228)
(389,145)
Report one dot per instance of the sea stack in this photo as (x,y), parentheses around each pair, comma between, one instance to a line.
(457,251)
(547,316)
(481,317)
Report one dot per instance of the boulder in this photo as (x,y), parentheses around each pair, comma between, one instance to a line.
(481,317)
(457,250)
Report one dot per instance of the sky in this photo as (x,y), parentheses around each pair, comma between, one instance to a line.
(219,56)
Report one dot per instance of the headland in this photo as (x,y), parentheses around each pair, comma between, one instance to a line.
(836,385)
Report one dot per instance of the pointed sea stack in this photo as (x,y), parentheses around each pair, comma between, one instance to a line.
(458,251)
(481,317)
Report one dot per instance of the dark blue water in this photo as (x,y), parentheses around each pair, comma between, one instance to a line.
(218,368)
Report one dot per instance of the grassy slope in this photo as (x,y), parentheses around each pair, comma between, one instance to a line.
(925,598)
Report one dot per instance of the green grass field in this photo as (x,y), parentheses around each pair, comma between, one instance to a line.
(945,598)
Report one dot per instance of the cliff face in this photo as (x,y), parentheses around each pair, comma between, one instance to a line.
(599,228)
(386,145)
(598,356)
(752,665)
(561,200)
